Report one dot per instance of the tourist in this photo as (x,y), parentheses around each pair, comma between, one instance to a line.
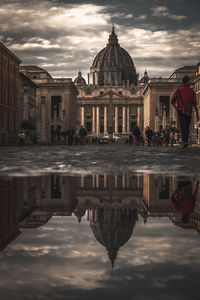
(21,137)
(183,99)
(137,135)
(149,135)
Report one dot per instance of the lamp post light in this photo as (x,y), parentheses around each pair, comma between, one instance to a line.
(43,99)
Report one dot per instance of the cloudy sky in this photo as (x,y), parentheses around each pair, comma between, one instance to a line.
(64,36)
(63,260)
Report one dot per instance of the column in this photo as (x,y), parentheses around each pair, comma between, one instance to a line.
(123,181)
(116,181)
(139,116)
(83,116)
(82,181)
(105,120)
(93,118)
(116,119)
(123,119)
(105,180)
(97,181)
(128,118)
(93,181)
(97,120)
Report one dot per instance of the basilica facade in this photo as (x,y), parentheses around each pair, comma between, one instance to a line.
(111,102)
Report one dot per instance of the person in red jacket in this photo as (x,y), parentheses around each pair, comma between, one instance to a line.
(181,96)
(184,198)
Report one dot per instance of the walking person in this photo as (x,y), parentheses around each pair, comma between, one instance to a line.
(21,137)
(183,99)
(149,135)
(137,135)
(70,134)
(82,134)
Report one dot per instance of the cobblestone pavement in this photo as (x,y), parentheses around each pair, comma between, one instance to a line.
(114,158)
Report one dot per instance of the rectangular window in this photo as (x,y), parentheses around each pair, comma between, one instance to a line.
(164,105)
(55,106)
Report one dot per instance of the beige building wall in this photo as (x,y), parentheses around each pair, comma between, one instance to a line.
(63,114)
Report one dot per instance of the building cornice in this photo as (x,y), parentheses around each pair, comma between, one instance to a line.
(4,48)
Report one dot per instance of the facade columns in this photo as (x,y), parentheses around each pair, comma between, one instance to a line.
(123,119)
(105,120)
(128,119)
(97,120)
(93,119)
(97,181)
(116,119)
(83,116)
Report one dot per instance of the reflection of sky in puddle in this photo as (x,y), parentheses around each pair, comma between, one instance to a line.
(74,228)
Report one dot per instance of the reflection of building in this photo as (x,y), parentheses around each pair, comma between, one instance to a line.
(56,102)
(111,102)
(56,196)
(9,95)
(112,203)
(157,191)
(9,210)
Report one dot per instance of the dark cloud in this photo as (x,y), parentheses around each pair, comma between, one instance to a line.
(65,36)
(64,260)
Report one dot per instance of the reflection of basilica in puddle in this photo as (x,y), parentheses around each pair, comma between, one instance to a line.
(113,204)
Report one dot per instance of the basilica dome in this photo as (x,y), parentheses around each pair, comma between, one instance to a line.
(113,65)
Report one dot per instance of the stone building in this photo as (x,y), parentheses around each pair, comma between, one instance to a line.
(111,101)
(9,95)
(157,93)
(56,102)
(28,89)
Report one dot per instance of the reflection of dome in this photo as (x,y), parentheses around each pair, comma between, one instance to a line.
(113,65)
(79,80)
(113,228)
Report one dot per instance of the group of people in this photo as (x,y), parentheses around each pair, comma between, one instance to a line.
(26,137)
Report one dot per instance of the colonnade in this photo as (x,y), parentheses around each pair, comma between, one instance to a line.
(125,118)
(122,181)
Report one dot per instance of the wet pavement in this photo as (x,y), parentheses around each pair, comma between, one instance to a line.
(98,159)
(93,222)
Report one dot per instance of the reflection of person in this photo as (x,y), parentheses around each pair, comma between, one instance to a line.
(184,199)
(185,95)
